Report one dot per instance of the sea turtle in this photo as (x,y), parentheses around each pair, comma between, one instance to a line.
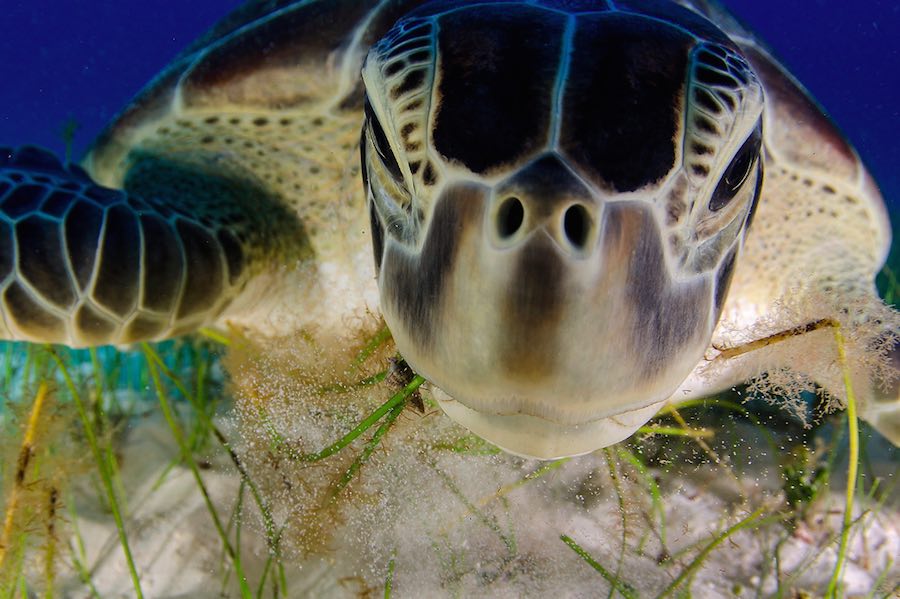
(562,214)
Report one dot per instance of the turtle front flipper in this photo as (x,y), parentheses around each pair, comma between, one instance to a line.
(86,265)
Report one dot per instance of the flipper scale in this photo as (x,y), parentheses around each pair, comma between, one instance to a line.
(86,265)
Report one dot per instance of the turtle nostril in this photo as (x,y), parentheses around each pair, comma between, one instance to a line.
(577,225)
(510,217)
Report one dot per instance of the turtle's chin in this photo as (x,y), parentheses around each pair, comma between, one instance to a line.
(536,437)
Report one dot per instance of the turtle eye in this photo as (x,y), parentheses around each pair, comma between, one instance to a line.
(381,144)
(738,171)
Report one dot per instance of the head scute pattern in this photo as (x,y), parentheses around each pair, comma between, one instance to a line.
(544,177)
(721,85)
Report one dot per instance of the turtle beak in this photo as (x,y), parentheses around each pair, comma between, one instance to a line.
(539,298)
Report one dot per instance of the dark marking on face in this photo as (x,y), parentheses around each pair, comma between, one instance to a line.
(712,78)
(701,170)
(723,280)
(727,99)
(394,67)
(704,124)
(429,177)
(42,262)
(666,316)
(621,108)
(705,99)
(412,106)
(701,149)
(414,284)
(497,72)
(534,304)
(713,59)
(407,130)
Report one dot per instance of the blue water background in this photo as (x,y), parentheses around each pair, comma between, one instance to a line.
(62,60)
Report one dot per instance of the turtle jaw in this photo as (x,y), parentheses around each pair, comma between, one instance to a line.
(535,437)
(528,334)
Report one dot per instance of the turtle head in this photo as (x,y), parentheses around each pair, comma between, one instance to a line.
(557,202)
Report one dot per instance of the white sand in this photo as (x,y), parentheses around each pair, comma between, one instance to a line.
(411,504)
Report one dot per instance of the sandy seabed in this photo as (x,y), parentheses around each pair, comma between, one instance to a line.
(453,524)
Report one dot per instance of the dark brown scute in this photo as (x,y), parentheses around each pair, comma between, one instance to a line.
(29,315)
(163,265)
(82,234)
(116,287)
(204,269)
(41,260)
(494,94)
(92,326)
(621,108)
